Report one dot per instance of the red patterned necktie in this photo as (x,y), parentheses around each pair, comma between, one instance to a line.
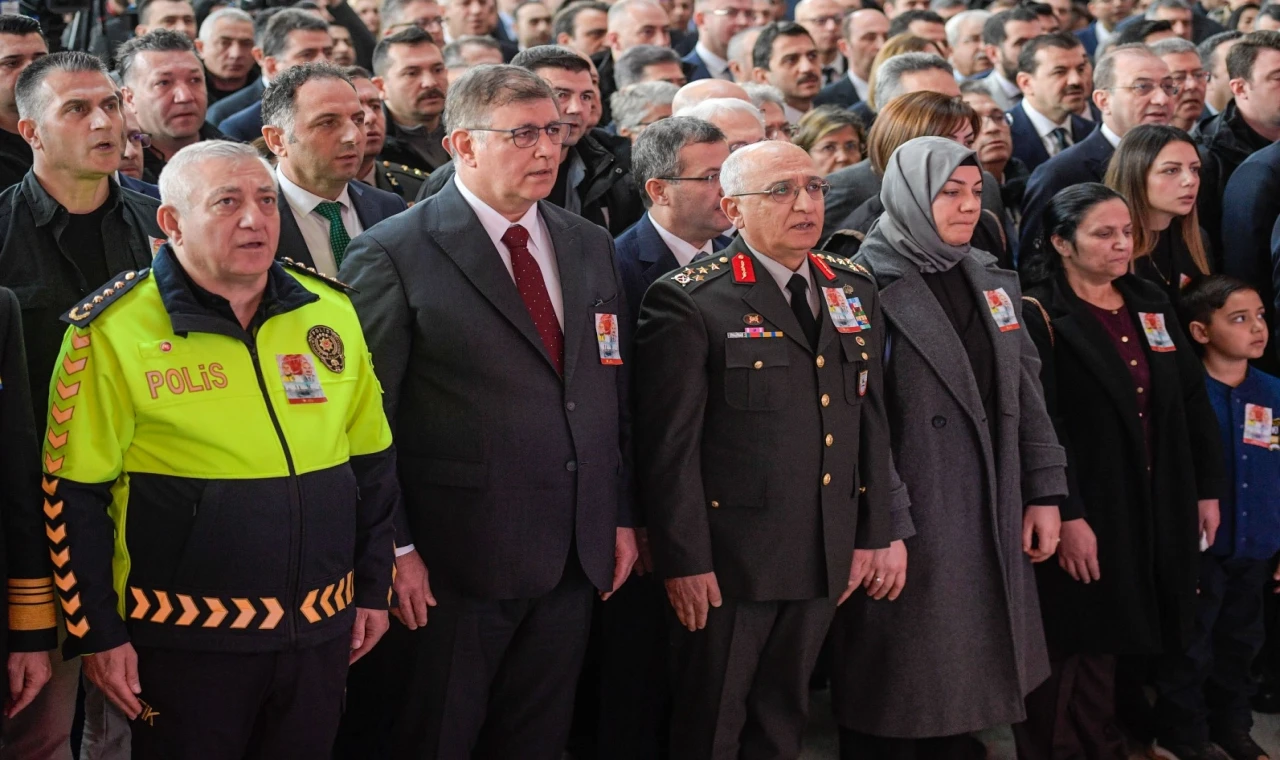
(533,289)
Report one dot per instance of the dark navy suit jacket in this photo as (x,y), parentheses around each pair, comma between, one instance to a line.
(643,256)
(138,186)
(697,68)
(246,125)
(371,204)
(839,93)
(1027,144)
(1089,38)
(1086,161)
(235,102)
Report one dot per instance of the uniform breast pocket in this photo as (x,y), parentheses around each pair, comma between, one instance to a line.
(755,373)
(856,373)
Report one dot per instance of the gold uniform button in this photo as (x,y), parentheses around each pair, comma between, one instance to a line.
(715,505)
(821,362)
(826,400)
(830,439)
(864,356)
(826,479)
(758,364)
(861,340)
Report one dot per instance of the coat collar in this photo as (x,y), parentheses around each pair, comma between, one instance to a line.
(45,208)
(765,298)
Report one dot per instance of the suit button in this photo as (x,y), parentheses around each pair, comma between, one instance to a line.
(826,479)
(758,364)
(571,466)
(570,406)
(830,439)
(715,505)
(826,400)
(820,362)
(939,421)
(862,489)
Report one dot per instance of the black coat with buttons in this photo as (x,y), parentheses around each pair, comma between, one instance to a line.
(1142,507)
(759,458)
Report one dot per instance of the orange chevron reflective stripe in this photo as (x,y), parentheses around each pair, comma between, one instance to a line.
(142,604)
(66,391)
(72,367)
(60,558)
(56,536)
(217,612)
(309,607)
(351,585)
(164,608)
(340,598)
(50,485)
(60,415)
(57,440)
(52,511)
(71,606)
(79,341)
(189,610)
(274,613)
(247,613)
(65,582)
(52,465)
(78,629)
(324,601)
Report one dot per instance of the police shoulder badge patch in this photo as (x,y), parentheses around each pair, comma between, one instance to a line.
(327,346)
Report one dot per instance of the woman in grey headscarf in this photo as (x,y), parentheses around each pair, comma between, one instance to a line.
(962,645)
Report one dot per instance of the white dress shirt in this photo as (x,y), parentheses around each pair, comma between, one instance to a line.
(315,227)
(1008,95)
(1102,34)
(540,247)
(718,66)
(792,115)
(1045,128)
(860,86)
(1111,136)
(681,249)
(782,276)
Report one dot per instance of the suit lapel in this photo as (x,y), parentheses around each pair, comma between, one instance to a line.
(1024,133)
(366,214)
(291,243)
(573,286)
(460,235)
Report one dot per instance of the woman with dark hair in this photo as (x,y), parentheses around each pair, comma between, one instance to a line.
(1127,397)
(906,117)
(982,474)
(1157,169)
(1241,19)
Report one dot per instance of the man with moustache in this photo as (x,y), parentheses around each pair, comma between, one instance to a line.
(964,35)
(1051,76)
(593,181)
(498,328)
(225,45)
(314,124)
(785,57)
(822,19)
(380,173)
(762,457)
(409,69)
(163,82)
(1188,73)
(862,34)
(1131,86)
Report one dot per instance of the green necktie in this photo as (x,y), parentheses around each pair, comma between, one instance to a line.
(338,237)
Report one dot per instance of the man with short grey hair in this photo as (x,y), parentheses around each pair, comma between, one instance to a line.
(1177,12)
(225,45)
(912,72)
(639,106)
(741,52)
(499,296)
(313,122)
(1188,72)
(753,595)
(964,37)
(741,122)
(772,107)
(468,51)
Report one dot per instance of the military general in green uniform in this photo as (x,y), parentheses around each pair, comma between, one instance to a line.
(762,448)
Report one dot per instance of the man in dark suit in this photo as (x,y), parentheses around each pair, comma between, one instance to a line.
(717,21)
(862,35)
(678,170)
(291,38)
(464,18)
(314,127)
(498,328)
(1123,108)
(1108,15)
(1052,71)
(761,449)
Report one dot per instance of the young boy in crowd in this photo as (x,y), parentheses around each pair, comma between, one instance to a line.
(1204,691)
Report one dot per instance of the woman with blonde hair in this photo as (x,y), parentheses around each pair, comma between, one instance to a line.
(1157,169)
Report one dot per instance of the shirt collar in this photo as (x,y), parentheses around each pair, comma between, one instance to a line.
(680,248)
(715,64)
(1044,127)
(45,208)
(860,85)
(303,201)
(1009,88)
(1111,136)
(779,272)
(793,115)
(494,223)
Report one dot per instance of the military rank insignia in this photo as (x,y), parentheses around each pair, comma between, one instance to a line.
(327,346)
(744,270)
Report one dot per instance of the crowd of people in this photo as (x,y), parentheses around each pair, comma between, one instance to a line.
(534,379)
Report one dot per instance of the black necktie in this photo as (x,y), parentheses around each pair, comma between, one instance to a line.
(1059,136)
(800,307)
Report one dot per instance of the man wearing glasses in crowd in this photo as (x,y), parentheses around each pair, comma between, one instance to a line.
(717,22)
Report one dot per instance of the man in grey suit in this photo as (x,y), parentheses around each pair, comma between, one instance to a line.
(761,449)
(314,124)
(494,322)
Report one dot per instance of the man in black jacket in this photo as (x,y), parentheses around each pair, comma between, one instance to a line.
(67,227)
(409,69)
(21,43)
(592,180)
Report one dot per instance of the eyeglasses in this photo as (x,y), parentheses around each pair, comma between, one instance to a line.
(786,192)
(822,20)
(712,177)
(777,132)
(1181,77)
(527,137)
(1143,89)
(141,138)
(744,14)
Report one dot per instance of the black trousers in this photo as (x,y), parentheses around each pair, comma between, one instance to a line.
(633,695)
(859,746)
(376,686)
(741,685)
(495,679)
(1204,691)
(1072,716)
(216,706)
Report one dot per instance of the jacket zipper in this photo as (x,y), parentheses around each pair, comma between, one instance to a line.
(295,494)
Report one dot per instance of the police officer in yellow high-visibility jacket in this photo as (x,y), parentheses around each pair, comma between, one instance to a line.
(220,481)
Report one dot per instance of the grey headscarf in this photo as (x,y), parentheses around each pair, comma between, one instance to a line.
(916,172)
